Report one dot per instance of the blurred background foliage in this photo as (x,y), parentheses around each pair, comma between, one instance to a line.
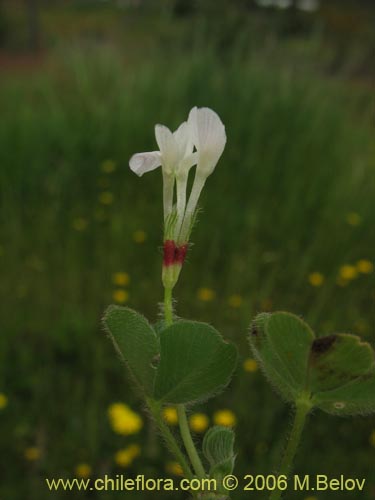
(286,220)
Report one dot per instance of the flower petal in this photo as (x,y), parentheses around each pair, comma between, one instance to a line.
(168,147)
(209,137)
(192,123)
(141,163)
(184,140)
(188,162)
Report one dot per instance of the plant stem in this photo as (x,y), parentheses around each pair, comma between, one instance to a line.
(182,419)
(188,442)
(169,438)
(168,306)
(302,409)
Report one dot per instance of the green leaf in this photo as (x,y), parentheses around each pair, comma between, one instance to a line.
(195,362)
(338,359)
(335,373)
(281,342)
(355,398)
(218,446)
(136,342)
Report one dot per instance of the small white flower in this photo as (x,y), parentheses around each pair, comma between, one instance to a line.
(175,156)
(203,131)
(209,138)
(175,152)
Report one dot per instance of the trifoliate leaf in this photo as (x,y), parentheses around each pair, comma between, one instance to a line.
(218,449)
(195,362)
(136,342)
(335,373)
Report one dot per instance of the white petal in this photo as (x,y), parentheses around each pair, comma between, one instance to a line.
(192,122)
(209,136)
(184,140)
(168,147)
(188,162)
(141,163)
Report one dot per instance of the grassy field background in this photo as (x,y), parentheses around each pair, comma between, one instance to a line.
(285,219)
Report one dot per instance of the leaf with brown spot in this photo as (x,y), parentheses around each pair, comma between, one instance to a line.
(337,360)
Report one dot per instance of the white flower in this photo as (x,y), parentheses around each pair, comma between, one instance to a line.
(203,131)
(175,156)
(209,138)
(175,152)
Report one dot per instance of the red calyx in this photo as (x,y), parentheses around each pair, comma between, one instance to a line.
(181,254)
(174,254)
(169,252)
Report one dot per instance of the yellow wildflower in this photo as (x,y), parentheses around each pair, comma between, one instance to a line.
(120,296)
(372,438)
(32,453)
(206,294)
(250,365)
(170,415)
(121,279)
(174,468)
(235,301)
(348,272)
(106,198)
(108,166)
(353,219)
(225,417)
(124,420)
(139,236)
(79,224)
(3,401)
(365,266)
(316,279)
(198,422)
(83,470)
(126,456)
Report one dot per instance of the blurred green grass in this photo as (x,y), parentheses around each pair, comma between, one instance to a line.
(299,161)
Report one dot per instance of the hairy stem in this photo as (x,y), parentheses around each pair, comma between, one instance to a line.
(188,442)
(302,409)
(168,306)
(169,438)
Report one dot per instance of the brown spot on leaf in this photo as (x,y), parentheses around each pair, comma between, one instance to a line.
(323,344)
(254,330)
